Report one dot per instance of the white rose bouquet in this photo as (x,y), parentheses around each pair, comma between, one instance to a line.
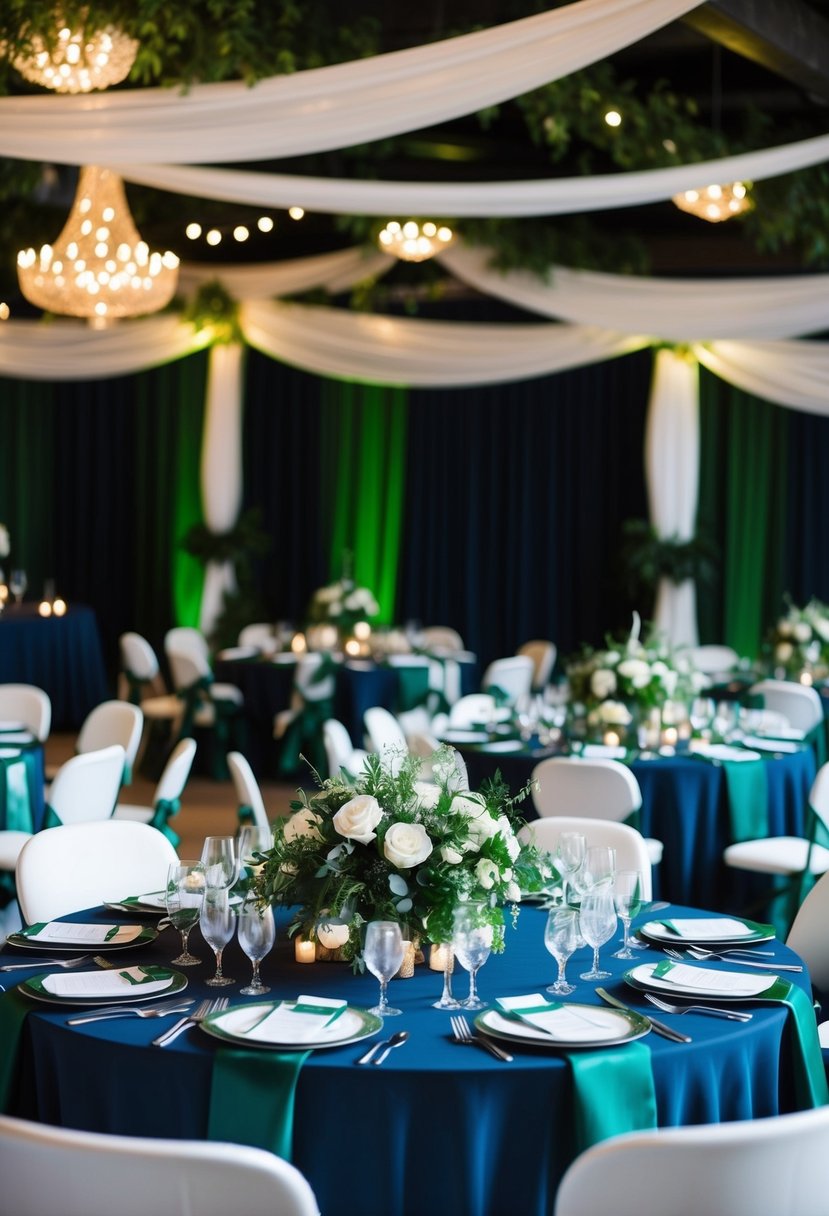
(342,604)
(395,848)
(799,640)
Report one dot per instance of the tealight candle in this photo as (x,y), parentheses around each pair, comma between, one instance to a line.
(304,951)
(670,736)
(352,647)
(44,608)
(298,644)
(362,630)
(441,957)
(611,738)
(408,965)
(59,607)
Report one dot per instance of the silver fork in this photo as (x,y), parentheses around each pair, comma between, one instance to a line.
(198,1015)
(33,964)
(142,1011)
(716,1012)
(464,1034)
(704,956)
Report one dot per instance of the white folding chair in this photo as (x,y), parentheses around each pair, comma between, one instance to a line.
(82,865)
(593,789)
(145,687)
(512,675)
(29,705)
(473,709)
(800,705)
(630,845)
(385,734)
(543,655)
(112,722)
(340,752)
(77,1173)
(209,705)
(248,794)
(260,634)
(86,786)
(167,794)
(744,1168)
(713,660)
(440,639)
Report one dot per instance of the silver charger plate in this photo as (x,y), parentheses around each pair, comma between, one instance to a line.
(642,979)
(20,942)
(33,988)
(231,1026)
(655,931)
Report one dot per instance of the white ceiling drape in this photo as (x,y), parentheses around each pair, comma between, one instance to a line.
(795,374)
(335,272)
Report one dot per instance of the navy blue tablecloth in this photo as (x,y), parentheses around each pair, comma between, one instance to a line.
(438,1128)
(61,655)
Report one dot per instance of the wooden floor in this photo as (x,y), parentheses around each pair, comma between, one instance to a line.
(208,808)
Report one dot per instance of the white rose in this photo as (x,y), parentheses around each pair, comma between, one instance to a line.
(427,792)
(331,933)
(602,683)
(784,652)
(354,601)
(357,818)
(802,632)
(611,657)
(406,845)
(635,670)
(513,893)
(451,855)
(784,627)
(302,823)
(614,713)
(335,608)
(487,873)
(822,627)
(510,840)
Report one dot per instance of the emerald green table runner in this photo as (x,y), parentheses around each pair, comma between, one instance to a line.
(13,1011)
(748,798)
(252,1097)
(613,1092)
(806,1060)
(15,788)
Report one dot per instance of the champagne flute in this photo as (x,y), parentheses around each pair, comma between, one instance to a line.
(218,857)
(570,851)
(383,953)
(561,937)
(18,584)
(471,942)
(256,932)
(184,894)
(597,922)
(216,921)
(627,896)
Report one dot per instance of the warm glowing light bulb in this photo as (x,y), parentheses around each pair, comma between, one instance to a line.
(240,233)
(613,118)
(264,223)
(296,213)
(193,231)
(213,237)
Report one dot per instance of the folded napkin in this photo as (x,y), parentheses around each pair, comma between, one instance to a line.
(301,1021)
(714,928)
(104,984)
(9,753)
(721,751)
(69,933)
(554,1018)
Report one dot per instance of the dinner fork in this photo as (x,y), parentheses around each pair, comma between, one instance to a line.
(32,964)
(691,952)
(142,1011)
(198,1015)
(714,1010)
(464,1034)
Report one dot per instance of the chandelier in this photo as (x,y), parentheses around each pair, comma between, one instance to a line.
(99,267)
(77,61)
(715,203)
(412,242)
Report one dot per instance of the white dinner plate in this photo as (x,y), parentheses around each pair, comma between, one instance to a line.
(643,979)
(21,942)
(33,987)
(231,1026)
(464,736)
(609,1028)
(656,931)
(503,745)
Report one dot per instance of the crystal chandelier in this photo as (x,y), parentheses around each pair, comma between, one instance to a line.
(78,61)
(99,267)
(715,203)
(412,242)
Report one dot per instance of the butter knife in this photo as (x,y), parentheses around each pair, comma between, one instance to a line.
(667,1032)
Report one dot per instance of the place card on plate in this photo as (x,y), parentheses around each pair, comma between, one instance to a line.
(551,1017)
(768,743)
(67,933)
(300,1021)
(721,751)
(710,928)
(707,981)
(106,984)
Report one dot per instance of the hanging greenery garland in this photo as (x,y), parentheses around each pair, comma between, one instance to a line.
(646,557)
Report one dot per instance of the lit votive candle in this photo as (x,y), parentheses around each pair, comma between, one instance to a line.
(298,644)
(352,647)
(408,965)
(611,738)
(670,736)
(44,608)
(362,630)
(304,951)
(806,678)
(441,957)
(59,607)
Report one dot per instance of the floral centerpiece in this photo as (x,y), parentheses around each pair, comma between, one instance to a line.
(392,847)
(800,640)
(342,604)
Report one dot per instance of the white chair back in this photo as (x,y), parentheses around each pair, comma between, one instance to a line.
(514,675)
(630,845)
(339,750)
(138,656)
(173,779)
(260,634)
(775,1165)
(305,680)
(81,865)
(713,660)
(187,657)
(247,788)
(808,936)
(440,639)
(28,704)
(801,705)
(543,654)
(471,710)
(86,787)
(112,722)
(595,789)
(384,731)
(77,1173)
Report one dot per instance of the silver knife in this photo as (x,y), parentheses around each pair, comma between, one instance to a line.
(667,1032)
(492,1048)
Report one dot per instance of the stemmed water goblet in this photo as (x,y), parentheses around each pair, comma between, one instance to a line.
(447,1000)
(561,937)
(256,932)
(472,943)
(184,894)
(702,713)
(570,851)
(217,924)
(18,584)
(627,896)
(220,863)
(597,923)
(383,954)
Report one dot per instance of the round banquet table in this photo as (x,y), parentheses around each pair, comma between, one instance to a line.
(685,805)
(437,1128)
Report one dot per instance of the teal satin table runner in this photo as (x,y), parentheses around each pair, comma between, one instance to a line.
(613,1092)
(805,1057)
(748,798)
(252,1095)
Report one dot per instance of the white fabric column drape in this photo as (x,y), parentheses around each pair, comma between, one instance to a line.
(221,468)
(672,473)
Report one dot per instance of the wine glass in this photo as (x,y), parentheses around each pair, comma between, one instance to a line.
(447,1000)
(702,714)
(218,857)
(597,922)
(570,852)
(256,932)
(383,953)
(18,584)
(627,896)
(471,942)
(598,867)
(253,840)
(216,921)
(561,937)
(184,895)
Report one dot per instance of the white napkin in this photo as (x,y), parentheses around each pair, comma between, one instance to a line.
(301,1022)
(768,743)
(712,983)
(721,751)
(105,984)
(552,1018)
(602,751)
(709,928)
(503,745)
(65,932)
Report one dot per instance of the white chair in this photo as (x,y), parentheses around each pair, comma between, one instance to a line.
(808,936)
(86,786)
(49,1169)
(167,794)
(82,865)
(209,705)
(592,789)
(112,722)
(385,734)
(800,705)
(512,675)
(630,845)
(745,1168)
(260,634)
(440,639)
(145,687)
(341,753)
(794,858)
(713,660)
(248,794)
(543,654)
(28,704)
(472,710)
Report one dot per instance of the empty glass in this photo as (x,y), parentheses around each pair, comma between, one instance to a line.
(570,852)
(219,859)
(703,711)
(561,937)
(597,922)
(383,953)
(472,943)
(256,932)
(253,840)
(217,923)
(18,584)
(627,896)
(184,894)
